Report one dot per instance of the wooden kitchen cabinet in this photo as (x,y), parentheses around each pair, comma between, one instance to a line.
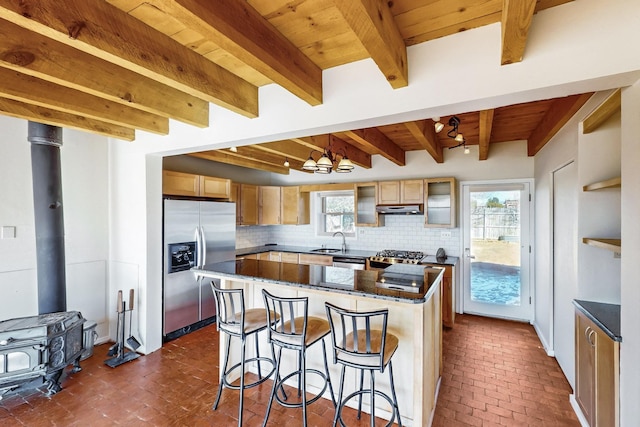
(597,373)
(448,295)
(315,259)
(187,184)
(440,202)
(294,206)
(235,197)
(269,205)
(290,257)
(365,205)
(401,192)
(248,204)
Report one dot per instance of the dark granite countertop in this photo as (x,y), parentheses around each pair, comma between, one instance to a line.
(429,259)
(330,279)
(606,316)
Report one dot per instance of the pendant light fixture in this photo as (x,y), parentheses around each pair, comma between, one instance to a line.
(324,165)
(453,133)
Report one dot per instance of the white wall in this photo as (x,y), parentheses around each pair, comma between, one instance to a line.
(630,291)
(85,203)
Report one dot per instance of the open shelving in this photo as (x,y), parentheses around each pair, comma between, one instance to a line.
(609,183)
(614,245)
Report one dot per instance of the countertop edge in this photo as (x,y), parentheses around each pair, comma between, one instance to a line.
(223,275)
(607,329)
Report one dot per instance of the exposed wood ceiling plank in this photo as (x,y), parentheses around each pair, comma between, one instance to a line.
(373,23)
(608,108)
(516,20)
(218,156)
(380,143)
(556,117)
(31,90)
(320,142)
(424,132)
(48,116)
(100,29)
(484,137)
(241,31)
(33,54)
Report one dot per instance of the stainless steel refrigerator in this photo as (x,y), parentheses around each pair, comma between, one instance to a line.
(195,233)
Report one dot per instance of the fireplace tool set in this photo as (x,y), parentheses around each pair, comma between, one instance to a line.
(119,352)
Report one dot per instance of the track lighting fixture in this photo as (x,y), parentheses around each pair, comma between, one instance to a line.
(453,133)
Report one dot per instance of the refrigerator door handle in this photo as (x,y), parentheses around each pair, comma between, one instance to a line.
(203,259)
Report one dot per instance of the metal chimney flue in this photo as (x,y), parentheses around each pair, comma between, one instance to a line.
(45,142)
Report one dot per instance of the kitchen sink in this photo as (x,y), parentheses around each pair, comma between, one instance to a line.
(326,250)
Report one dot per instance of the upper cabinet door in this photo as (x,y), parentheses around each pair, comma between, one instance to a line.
(388,192)
(248,204)
(269,206)
(216,188)
(412,191)
(180,184)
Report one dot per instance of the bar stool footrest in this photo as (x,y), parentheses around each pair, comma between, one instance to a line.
(366,391)
(259,381)
(281,383)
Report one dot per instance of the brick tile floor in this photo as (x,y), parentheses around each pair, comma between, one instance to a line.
(495,373)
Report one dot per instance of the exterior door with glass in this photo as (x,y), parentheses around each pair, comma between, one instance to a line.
(497,251)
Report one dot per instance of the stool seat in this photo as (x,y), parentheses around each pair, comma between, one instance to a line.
(317,328)
(255,319)
(390,347)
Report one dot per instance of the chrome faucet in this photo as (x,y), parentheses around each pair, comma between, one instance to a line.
(344,243)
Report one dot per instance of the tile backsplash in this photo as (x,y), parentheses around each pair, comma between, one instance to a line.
(402,232)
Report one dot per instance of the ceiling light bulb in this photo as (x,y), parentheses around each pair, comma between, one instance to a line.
(286,162)
(459,138)
(234,149)
(466,150)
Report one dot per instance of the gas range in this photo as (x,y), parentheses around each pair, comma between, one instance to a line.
(389,256)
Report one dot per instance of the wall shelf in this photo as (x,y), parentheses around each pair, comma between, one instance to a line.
(609,183)
(613,245)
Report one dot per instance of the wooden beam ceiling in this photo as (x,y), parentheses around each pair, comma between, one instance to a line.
(556,117)
(516,20)
(39,56)
(320,142)
(229,158)
(373,23)
(424,132)
(378,142)
(484,136)
(102,30)
(254,153)
(608,108)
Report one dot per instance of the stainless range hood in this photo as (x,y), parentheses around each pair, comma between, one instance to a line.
(400,209)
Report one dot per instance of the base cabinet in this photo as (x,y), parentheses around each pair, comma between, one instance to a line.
(597,373)
(448,295)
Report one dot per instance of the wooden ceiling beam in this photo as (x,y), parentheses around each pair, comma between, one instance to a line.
(242,32)
(556,116)
(516,20)
(101,29)
(608,108)
(484,133)
(424,132)
(21,110)
(33,54)
(226,157)
(251,152)
(320,142)
(31,90)
(289,149)
(378,142)
(374,24)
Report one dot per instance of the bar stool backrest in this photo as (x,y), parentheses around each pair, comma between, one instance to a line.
(358,338)
(230,309)
(291,329)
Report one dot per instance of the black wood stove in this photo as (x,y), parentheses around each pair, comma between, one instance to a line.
(35,350)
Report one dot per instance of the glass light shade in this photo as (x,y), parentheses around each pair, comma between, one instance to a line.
(323,169)
(325,161)
(459,138)
(234,149)
(286,163)
(345,165)
(466,150)
(438,126)
(310,165)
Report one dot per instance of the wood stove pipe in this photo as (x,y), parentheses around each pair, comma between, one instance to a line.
(45,142)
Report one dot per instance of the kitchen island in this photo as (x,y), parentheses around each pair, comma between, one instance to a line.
(414,317)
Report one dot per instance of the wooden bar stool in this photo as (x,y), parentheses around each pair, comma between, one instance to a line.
(235,321)
(290,327)
(359,345)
